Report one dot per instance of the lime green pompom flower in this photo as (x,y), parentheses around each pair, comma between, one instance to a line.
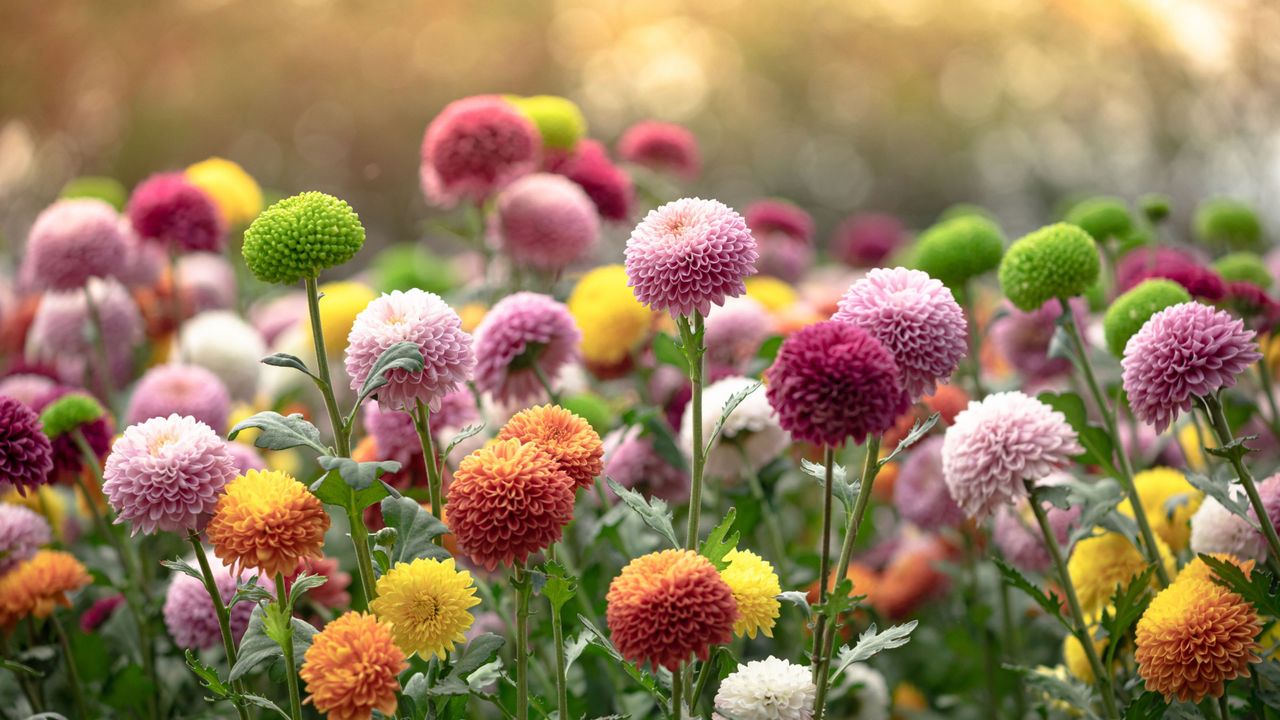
(957,250)
(1228,223)
(106,189)
(68,413)
(1131,310)
(299,236)
(402,267)
(592,408)
(559,120)
(1245,267)
(1058,261)
(1102,217)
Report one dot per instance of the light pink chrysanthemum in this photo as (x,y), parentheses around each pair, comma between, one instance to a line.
(1023,338)
(61,333)
(522,332)
(735,331)
(996,444)
(661,146)
(26,387)
(474,147)
(915,317)
(784,235)
(920,493)
(631,460)
(143,262)
(166,474)
(183,390)
(546,221)
(422,318)
(170,210)
(188,609)
(22,532)
(1020,541)
(688,255)
(72,241)
(1184,351)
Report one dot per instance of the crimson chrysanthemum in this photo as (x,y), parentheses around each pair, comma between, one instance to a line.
(267,521)
(567,438)
(545,221)
(867,240)
(26,456)
(69,416)
(182,390)
(608,186)
(524,334)
(72,241)
(661,146)
(1183,352)
(474,147)
(665,606)
(1189,271)
(352,668)
(171,210)
(833,381)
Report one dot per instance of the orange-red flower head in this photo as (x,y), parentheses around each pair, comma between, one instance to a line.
(38,585)
(267,520)
(567,438)
(351,668)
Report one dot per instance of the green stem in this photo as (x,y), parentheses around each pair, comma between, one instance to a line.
(73,674)
(552,396)
(1218,420)
(290,669)
(1012,644)
(422,423)
(557,632)
(975,344)
(523,588)
(704,674)
(677,694)
(103,382)
(1269,389)
(777,546)
(825,581)
(220,610)
(693,338)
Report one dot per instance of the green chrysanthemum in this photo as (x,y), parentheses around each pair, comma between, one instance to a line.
(960,249)
(1244,266)
(1058,261)
(558,119)
(1228,222)
(403,267)
(1102,217)
(1131,310)
(1155,207)
(592,408)
(108,190)
(68,413)
(299,236)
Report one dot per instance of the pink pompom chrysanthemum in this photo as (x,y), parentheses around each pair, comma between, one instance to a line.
(688,255)
(1023,338)
(867,240)
(735,331)
(631,460)
(545,221)
(784,234)
(170,210)
(1184,351)
(188,609)
(919,492)
(523,334)
(474,147)
(72,241)
(608,186)
(26,456)
(22,532)
(996,444)
(167,474)
(661,146)
(206,281)
(422,318)
(183,390)
(26,386)
(833,381)
(61,333)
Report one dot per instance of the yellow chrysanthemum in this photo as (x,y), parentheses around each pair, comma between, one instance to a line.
(269,521)
(1169,501)
(427,604)
(47,502)
(340,303)
(612,321)
(471,314)
(233,190)
(755,587)
(352,668)
(36,586)
(1100,563)
(774,294)
(1192,443)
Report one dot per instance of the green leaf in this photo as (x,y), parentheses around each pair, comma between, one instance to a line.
(1050,603)
(1234,450)
(1254,587)
(485,675)
(1268,688)
(1230,497)
(129,689)
(918,430)
(333,490)
(1097,444)
(797,598)
(652,511)
(302,584)
(871,643)
(463,434)
(358,475)
(15,667)
(769,349)
(573,649)
(285,360)
(257,647)
(405,356)
(180,565)
(721,541)
(667,352)
(415,529)
(838,601)
(1066,689)
(730,405)
(560,586)
(415,692)
(476,653)
(1127,605)
(643,678)
(264,703)
(1147,706)
(208,676)
(664,442)
(844,490)
(280,432)
(1098,502)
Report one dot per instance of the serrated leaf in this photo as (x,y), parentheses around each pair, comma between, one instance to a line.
(1062,688)
(838,601)
(600,640)
(179,565)
(918,430)
(257,647)
(279,432)
(302,584)
(721,540)
(208,676)
(667,352)
(1229,496)
(285,360)
(652,511)
(559,587)
(1098,502)
(573,649)
(476,653)
(463,434)
(333,490)
(415,530)
(797,598)
(1058,496)
(1234,450)
(845,491)
(871,643)
(1254,587)
(730,405)
(264,703)
(357,475)
(1049,602)
(406,356)
(1127,605)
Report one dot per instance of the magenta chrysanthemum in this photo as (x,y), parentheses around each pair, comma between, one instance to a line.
(608,186)
(22,532)
(688,255)
(26,457)
(421,318)
(1187,270)
(784,236)
(546,221)
(170,210)
(188,609)
(1184,351)
(166,474)
(919,492)
(522,332)
(917,320)
(61,333)
(72,241)
(867,240)
(183,390)
(993,446)
(394,433)
(833,381)
(474,147)
(661,146)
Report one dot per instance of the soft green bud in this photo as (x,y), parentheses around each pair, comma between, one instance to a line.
(299,236)
(1155,207)
(108,190)
(1228,222)
(592,408)
(1058,261)
(386,537)
(1131,310)
(558,119)
(70,412)
(958,250)
(401,267)
(1244,266)
(1102,217)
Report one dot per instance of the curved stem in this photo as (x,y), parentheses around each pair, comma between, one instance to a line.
(1218,420)
(435,492)
(522,582)
(825,581)
(552,396)
(220,610)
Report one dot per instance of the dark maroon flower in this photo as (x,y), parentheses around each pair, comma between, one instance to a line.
(26,456)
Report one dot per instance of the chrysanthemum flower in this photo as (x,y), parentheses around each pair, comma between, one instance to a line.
(507,501)
(608,186)
(299,236)
(72,241)
(1228,222)
(1169,502)
(267,521)
(568,439)
(833,381)
(868,239)
(63,412)
(169,209)
(234,191)
(612,321)
(735,331)
(546,222)
(180,390)
(352,668)
(1018,535)
(559,120)
(1184,351)
(920,493)
(26,456)
(668,605)
(688,255)
(958,249)
(61,332)
(631,461)
(1023,339)
(245,457)
(22,532)
(784,235)
(1189,271)
(474,147)
(421,318)
(522,332)
(1126,316)
(755,589)
(1076,659)
(1103,562)
(26,386)
(223,343)
(1215,529)
(661,146)
(1244,267)
(427,604)
(206,281)
(750,437)
(1058,261)
(768,689)
(38,585)
(189,614)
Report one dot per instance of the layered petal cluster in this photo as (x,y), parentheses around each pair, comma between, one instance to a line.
(755,588)
(26,456)
(427,604)
(72,241)
(178,389)
(38,585)
(608,185)
(768,689)
(545,221)
(612,321)
(189,614)
(661,146)
(920,493)
(22,532)
(567,438)
(169,209)
(475,147)
(268,521)
(352,668)
(1100,563)
(522,335)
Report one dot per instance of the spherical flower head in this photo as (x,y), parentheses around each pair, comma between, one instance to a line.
(1075,658)
(632,462)
(234,191)
(608,185)
(64,411)
(915,318)
(998,444)
(558,119)
(267,520)
(1104,218)
(1244,266)
(755,589)
(427,321)
(833,381)
(427,603)
(224,344)
(1215,529)
(668,605)
(183,390)
(352,668)
(299,236)
(1023,338)
(750,437)
(1169,501)
(22,532)
(866,691)
(521,334)
(72,241)
(1184,351)
(1258,309)
(170,210)
(920,494)
(26,386)
(189,614)
(1058,261)
(61,332)
(1235,224)
(475,147)
(663,147)
(1194,637)
(779,217)
(507,501)
(393,431)
(333,594)
(735,331)
(768,689)
(1187,270)
(546,222)
(612,321)
(688,255)
(867,240)
(570,441)
(206,281)
(1131,310)
(957,250)
(1100,563)
(69,412)
(26,455)
(38,585)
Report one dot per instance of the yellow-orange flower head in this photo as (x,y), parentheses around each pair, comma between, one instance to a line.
(1195,636)
(612,321)
(268,521)
(755,589)
(1169,501)
(426,602)
(567,438)
(351,668)
(666,606)
(234,191)
(1101,563)
(36,586)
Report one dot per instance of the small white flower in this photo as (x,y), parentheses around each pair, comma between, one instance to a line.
(769,689)
(869,692)
(227,346)
(751,436)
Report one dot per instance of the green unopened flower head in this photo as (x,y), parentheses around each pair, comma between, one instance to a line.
(592,408)
(1244,266)
(68,413)
(402,267)
(960,249)
(1058,261)
(1136,238)
(108,190)
(1155,207)
(1228,222)
(1131,310)
(1102,217)
(558,119)
(299,236)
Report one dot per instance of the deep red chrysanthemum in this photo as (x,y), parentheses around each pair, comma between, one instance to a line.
(608,185)
(1183,268)
(26,456)
(171,210)
(474,147)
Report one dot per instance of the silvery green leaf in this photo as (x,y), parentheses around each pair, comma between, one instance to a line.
(280,432)
(1230,497)
(1062,688)
(415,530)
(463,434)
(729,406)
(871,643)
(652,511)
(358,475)
(285,360)
(918,430)
(846,492)
(797,598)
(405,356)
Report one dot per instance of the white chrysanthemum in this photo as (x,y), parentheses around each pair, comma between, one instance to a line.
(1215,529)
(229,347)
(769,689)
(752,429)
(867,692)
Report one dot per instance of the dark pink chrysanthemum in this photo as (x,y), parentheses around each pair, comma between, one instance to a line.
(867,240)
(182,389)
(770,217)
(422,318)
(72,241)
(545,221)
(170,210)
(188,609)
(22,532)
(919,492)
(26,457)
(915,317)
(688,255)
(1183,268)
(832,381)
(661,146)
(996,444)
(522,332)
(100,611)
(1023,338)
(608,185)
(474,147)
(1184,351)
(26,386)
(1255,306)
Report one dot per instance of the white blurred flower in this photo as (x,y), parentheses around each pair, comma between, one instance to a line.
(1215,529)
(227,346)
(867,692)
(769,689)
(751,436)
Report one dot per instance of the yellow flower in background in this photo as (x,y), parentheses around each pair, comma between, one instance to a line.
(427,604)
(1169,501)
(340,302)
(471,314)
(1101,563)
(38,585)
(774,294)
(755,587)
(612,321)
(1192,443)
(1075,659)
(233,190)
(47,502)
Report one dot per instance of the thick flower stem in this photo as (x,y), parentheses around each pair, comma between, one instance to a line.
(1269,389)
(677,694)
(1102,678)
(73,675)
(692,336)
(290,669)
(1218,419)
(824,557)
(220,610)
(523,589)
(435,492)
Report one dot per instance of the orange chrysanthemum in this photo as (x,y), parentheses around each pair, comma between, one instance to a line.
(1195,636)
(37,585)
(666,606)
(567,438)
(351,668)
(507,500)
(267,520)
